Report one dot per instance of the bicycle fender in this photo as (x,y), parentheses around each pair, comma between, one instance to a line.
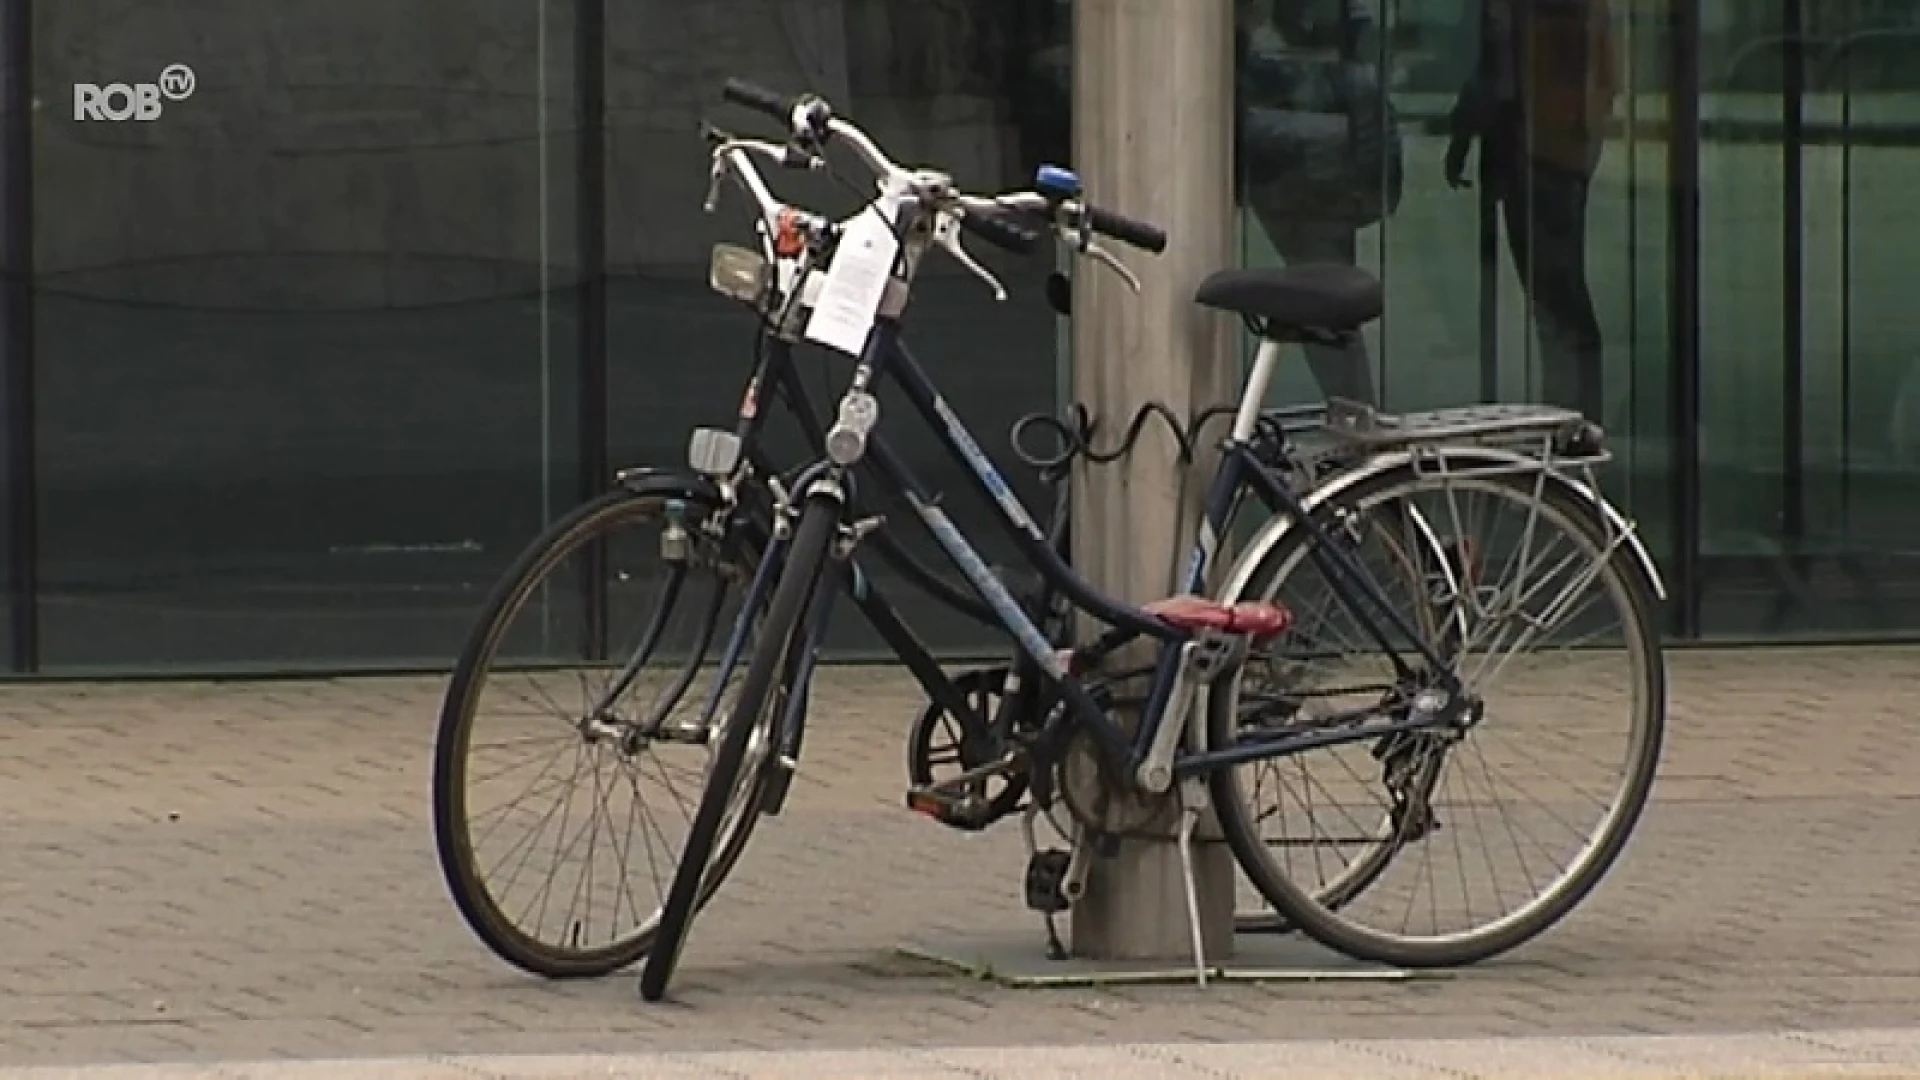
(1617,523)
(658,480)
(1270,534)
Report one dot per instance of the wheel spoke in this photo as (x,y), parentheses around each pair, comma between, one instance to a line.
(1493,830)
(565,889)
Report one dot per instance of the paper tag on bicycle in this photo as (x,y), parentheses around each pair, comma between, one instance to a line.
(856,283)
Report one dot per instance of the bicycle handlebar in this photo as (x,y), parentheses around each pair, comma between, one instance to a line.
(1140,234)
(754,96)
(1004,228)
(810,122)
(1014,222)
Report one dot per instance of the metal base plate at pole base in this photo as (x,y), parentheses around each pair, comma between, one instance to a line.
(1019,960)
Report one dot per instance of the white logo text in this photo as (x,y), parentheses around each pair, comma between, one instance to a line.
(143,102)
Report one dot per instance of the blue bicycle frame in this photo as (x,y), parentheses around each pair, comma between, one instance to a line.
(887,356)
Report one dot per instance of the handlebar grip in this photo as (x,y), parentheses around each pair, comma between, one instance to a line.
(1003,230)
(759,98)
(1126,230)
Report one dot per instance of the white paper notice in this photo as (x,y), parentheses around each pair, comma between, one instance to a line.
(856,284)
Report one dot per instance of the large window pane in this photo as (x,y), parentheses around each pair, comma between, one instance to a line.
(1501,167)
(1808,453)
(977,89)
(1331,97)
(304,337)
(1509,273)
(1866,483)
(1575,202)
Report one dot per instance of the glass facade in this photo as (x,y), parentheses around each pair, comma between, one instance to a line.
(1681,216)
(304,342)
(294,366)
(1810,383)
(1504,167)
(934,82)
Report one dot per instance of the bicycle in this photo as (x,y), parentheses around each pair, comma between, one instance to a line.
(732,513)
(717,517)
(1198,723)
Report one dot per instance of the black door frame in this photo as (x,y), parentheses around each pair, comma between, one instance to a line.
(16,333)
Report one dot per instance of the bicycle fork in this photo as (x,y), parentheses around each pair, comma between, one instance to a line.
(803,662)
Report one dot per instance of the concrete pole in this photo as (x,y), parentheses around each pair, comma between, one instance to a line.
(1152,138)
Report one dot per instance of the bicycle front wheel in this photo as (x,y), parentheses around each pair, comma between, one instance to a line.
(739,764)
(589,682)
(1434,850)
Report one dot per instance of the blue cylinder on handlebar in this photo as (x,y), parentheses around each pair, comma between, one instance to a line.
(1056,182)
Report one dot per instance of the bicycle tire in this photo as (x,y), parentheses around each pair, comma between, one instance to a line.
(1325,922)
(1358,878)
(591,521)
(805,563)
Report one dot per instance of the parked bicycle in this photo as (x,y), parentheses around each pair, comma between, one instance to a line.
(665,545)
(675,549)
(1240,681)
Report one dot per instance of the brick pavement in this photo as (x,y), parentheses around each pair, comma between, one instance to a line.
(245,870)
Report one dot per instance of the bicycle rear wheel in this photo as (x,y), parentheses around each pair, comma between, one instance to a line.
(1389,876)
(550,887)
(739,764)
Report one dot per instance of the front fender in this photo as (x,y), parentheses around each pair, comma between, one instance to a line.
(659,480)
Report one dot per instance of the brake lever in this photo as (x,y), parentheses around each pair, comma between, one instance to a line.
(788,156)
(946,233)
(1101,254)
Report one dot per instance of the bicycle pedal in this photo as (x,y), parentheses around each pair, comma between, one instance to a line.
(1046,881)
(968,813)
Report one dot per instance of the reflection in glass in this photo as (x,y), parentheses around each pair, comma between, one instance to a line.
(980,89)
(1808,145)
(1559,127)
(1319,147)
(1537,104)
(1547,279)
(1335,97)
(303,338)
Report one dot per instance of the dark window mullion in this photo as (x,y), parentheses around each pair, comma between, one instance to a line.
(590,210)
(16,330)
(1793,316)
(1683,323)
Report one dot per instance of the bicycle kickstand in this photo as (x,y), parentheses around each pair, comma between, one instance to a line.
(1193,803)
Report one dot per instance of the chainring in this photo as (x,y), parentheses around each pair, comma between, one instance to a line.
(936,734)
(1100,801)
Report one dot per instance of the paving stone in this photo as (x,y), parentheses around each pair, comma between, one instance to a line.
(203,872)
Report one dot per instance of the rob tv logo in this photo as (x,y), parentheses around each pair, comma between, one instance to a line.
(144,102)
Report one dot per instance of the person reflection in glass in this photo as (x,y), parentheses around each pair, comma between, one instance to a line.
(1538,103)
(1318,152)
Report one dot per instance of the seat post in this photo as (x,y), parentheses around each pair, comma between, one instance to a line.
(1254,397)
